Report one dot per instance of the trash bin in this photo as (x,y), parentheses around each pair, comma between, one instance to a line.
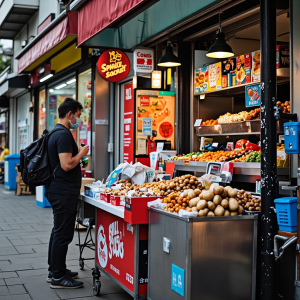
(10,172)
(40,198)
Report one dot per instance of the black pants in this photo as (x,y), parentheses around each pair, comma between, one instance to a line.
(64,215)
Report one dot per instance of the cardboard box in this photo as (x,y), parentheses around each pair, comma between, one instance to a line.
(86,181)
(282,57)
(256,66)
(215,77)
(201,80)
(136,210)
(228,66)
(92,192)
(243,69)
(117,201)
(105,197)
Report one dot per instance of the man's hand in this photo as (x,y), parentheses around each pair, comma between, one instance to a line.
(84,150)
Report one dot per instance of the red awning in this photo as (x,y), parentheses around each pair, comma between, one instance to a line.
(46,42)
(97,15)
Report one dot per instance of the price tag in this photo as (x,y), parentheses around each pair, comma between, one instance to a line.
(215,144)
(187,162)
(198,123)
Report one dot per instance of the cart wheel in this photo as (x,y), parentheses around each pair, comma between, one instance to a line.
(97,288)
(81,264)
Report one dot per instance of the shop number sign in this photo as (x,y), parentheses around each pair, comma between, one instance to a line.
(113,65)
(115,247)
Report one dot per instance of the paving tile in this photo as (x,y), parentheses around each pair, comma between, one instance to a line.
(12,281)
(15,267)
(2,282)
(4,275)
(24,249)
(18,242)
(32,272)
(21,297)
(4,291)
(17,290)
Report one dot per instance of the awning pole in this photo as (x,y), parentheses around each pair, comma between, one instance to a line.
(268,223)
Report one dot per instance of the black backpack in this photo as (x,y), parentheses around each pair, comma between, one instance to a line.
(34,161)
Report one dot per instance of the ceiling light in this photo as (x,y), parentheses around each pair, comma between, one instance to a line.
(46,76)
(60,86)
(220,49)
(71,81)
(51,90)
(169,59)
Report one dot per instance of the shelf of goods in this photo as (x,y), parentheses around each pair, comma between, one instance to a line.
(242,172)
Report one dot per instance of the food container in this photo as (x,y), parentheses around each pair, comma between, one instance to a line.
(209,129)
(256,66)
(254,125)
(117,201)
(236,127)
(105,197)
(215,77)
(286,211)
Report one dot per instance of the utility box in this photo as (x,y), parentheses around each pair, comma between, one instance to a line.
(291,137)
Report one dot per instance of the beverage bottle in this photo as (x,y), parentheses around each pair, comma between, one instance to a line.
(84,160)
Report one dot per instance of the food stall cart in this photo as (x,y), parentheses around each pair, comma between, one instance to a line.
(121,244)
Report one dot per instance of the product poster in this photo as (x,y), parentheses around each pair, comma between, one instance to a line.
(159,106)
(128,130)
(252,95)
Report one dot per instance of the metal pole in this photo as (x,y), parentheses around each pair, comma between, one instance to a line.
(268,224)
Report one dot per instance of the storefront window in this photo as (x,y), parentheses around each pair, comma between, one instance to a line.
(4,129)
(57,93)
(42,112)
(84,97)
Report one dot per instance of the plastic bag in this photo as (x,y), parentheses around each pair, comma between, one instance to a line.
(187,214)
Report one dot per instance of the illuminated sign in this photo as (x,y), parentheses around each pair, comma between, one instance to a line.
(113,65)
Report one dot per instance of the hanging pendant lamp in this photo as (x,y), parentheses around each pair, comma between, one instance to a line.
(220,49)
(169,59)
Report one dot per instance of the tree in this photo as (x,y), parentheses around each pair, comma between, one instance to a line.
(4,61)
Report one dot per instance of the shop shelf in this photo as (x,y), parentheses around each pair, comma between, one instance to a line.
(210,129)
(236,127)
(254,125)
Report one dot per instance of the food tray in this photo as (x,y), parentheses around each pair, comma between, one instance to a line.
(209,129)
(254,125)
(253,212)
(236,127)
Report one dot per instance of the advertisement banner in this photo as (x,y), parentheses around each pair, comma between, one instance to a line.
(115,247)
(159,106)
(128,130)
(252,95)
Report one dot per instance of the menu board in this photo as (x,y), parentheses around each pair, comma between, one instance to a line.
(158,106)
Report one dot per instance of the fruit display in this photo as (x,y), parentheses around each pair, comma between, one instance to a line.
(248,202)
(217,201)
(220,156)
(191,156)
(285,106)
(157,188)
(254,157)
(209,122)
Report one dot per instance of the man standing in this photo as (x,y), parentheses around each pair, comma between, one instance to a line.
(63,191)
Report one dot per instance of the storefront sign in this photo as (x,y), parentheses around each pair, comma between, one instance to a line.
(143,60)
(166,129)
(252,95)
(115,248)
(113,65)
(128,148)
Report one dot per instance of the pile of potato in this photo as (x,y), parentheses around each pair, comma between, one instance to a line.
(248,202)
(217,201)
(161,188)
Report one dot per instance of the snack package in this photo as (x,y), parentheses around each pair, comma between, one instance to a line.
(209,179)
(243,69)
(282,57)
(228,66)
(201,80)
(214,77)
(256,66)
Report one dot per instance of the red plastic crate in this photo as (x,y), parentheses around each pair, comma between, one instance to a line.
(136,210)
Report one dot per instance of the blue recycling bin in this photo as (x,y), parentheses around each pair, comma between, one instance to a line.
(10,172)
(40,198)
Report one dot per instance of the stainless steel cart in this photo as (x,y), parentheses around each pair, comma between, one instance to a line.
(209,257)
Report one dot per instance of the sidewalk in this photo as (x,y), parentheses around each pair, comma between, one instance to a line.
(24,236)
